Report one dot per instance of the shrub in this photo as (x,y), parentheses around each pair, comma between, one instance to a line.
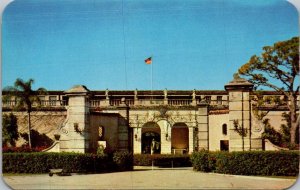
(123,160)
(41,162)
(142,160)
(268,163)
(162,160)
(203,161)
(281,163)
(100,150)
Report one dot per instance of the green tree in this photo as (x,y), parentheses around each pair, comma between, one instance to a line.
(274,136)
(9,130)
(278,68)
(281,137)
(26,97)
(285,129)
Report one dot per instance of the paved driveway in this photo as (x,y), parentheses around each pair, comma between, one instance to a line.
(183,178)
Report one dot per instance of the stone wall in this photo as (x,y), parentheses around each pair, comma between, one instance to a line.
(276,119)
(109,123)
(215,130)
(47,122)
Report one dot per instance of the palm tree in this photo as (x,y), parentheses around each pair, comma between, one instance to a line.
(25,97)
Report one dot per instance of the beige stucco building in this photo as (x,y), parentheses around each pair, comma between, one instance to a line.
(159,121)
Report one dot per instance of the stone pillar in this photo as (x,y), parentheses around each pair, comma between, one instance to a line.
(165,97)
(137,143)
(203,128)
(165,136)
(191,139)
(123,127)
(239,113)
(136,97)
(78,137)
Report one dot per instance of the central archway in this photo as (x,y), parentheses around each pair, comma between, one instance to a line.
(151,140)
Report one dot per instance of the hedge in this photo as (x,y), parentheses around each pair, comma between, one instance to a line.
(23,149)
(162,160)
(266,163)
(41,162)
(123,161)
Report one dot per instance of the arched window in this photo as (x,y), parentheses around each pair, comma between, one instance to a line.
(224,129)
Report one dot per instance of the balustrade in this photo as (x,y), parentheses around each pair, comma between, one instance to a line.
(8,103)
(179,102)
(117,102)
(95,103)
(153,102)
(43,103)
(149,102)
(219,102)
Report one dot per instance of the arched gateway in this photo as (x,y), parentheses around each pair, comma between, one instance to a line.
(151,139)
(168,132)
(180,138)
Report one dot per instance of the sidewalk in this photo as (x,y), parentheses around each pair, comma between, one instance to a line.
(143,178)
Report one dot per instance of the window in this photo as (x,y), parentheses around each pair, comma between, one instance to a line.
(268,99)
(219,100)
(224,145)
(42,99)
(52,100)
(65,100)
(224,129)
(208,99)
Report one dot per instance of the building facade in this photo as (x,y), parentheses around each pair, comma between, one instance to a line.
(157,122)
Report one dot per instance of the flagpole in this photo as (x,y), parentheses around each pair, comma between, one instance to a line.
(150,61)
(152,74)
(151,77)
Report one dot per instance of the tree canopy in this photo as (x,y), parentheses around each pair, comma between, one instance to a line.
(280,62)
(9,130)
(25,97)
(24,94)
(278,68)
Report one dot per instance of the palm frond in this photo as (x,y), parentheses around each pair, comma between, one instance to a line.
(24,86)
(25,96)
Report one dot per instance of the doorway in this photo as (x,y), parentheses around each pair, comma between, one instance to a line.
(151,141)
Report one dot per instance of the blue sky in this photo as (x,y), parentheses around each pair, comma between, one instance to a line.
(195,44)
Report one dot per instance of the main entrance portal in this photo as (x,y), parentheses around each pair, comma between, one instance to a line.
(151,141)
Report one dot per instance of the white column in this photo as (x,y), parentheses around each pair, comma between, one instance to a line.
(165,128)
(137,142)
(191,140)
